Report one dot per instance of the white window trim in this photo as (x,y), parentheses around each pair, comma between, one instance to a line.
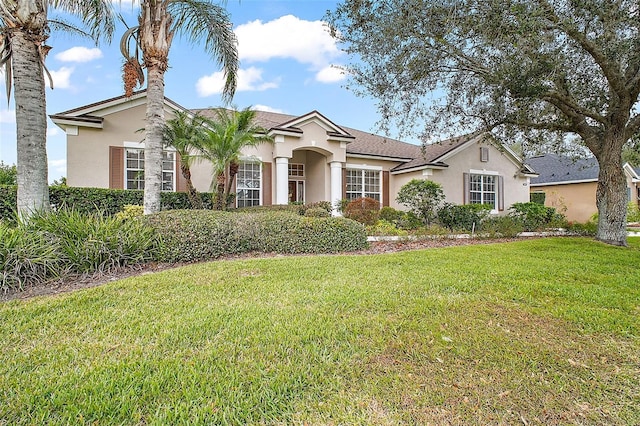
(363,169)
(140,146)
(255,160)
(472,172)
(292,177)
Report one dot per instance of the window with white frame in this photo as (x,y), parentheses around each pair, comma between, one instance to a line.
(134,169)
(363,183)
(483,189)
(248,184)
(296,170)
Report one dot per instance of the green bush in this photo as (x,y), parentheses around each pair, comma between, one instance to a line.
(364,210)
(324,205)
(93,242)
(202,235)
(390,214)
(56,244)
(129,212)
(633,212)
(410,221)
(467,217)
(26,258)
(90,200)
(385,228)
(538,197)
(291,208)
(422,197)
(535,217)
(588,229)
(501,226)
(317,212)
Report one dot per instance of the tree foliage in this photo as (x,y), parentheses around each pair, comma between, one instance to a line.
(528,70)
(8,174)
(422,197)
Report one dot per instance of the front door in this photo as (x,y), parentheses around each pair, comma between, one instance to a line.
(296,191)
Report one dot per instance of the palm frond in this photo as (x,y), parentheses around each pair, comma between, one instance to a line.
(97,15)
(59,24)
(200,20)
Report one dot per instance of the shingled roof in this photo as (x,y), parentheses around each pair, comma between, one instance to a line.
(554,168)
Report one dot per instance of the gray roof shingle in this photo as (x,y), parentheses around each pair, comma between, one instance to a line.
(554,168)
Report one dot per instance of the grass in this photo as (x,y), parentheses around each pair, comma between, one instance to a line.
(535,332)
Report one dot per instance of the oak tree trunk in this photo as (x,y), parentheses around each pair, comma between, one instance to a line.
(611,194)
(153,139)
(31,125)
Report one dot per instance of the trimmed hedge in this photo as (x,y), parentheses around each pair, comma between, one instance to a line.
(88,200)
(192,235)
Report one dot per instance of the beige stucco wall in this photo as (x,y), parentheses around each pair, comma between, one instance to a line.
(516,187)
(576,201)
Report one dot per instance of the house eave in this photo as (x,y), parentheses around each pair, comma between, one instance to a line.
(379,157)
(64,121)
(566,182)
(434,166)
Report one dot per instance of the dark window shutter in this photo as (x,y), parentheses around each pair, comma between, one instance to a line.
(484,154)
(500,193)
(344,183)
(385,189)
(116,167)
(266,184)
(466,182)
(181,182)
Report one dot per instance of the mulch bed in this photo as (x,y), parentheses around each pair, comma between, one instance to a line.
(86,281)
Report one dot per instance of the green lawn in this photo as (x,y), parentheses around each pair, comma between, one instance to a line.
(534,332)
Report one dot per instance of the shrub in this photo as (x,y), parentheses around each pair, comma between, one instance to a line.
(291,208)
(538,197)
(129,212)
(390,215)
(90,200)
(588,229)
(385,228)
(26,258)
(364,210)
(410,221)
(534,217)
(95,243)
(467,217)
(633,212)
(502,226)
(324,205)
(201,235)
(422,197)
(317,212)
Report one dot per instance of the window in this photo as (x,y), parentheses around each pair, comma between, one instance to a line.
(248,184)
(363,183)
(482,189)
(296,170)
(134,170)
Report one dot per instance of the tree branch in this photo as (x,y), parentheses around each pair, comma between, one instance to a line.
(633,127)
(615,79)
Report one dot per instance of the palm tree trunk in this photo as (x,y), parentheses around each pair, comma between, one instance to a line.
(153,139)
(233,171)
(31,126)
(220,201)
(192,194)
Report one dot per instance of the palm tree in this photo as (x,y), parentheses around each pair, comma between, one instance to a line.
(24,29)
(228,134)
(184,133)
(159,20)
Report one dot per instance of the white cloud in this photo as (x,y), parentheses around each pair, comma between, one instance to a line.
(61,77)
(266,108)
(330,74)
(7,116)
(53,131)
(79,54)
(249,79)
(58,167)
(307,42)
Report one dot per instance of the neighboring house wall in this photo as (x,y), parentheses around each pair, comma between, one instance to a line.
(576,201)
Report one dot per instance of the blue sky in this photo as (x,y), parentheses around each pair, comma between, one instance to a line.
(286,63)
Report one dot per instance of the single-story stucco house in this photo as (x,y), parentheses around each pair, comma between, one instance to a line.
(311,159)
(570,184)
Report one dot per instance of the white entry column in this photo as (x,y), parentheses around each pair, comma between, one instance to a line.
(282,180)
(336,186)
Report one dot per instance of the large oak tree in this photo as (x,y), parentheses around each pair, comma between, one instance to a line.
(538,70)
